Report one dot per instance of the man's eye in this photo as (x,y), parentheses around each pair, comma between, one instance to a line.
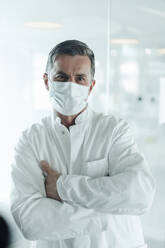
(80,79)
(60,77)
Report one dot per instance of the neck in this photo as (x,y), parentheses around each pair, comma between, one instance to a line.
(68,120)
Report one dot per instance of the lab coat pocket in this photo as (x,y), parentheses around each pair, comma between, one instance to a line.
(96,168)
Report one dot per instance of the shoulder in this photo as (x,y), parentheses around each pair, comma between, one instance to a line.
(36,131)
(110,121)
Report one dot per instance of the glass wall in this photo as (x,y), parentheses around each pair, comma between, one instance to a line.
(137,79)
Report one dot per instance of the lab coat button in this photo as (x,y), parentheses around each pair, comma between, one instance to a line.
(63,132)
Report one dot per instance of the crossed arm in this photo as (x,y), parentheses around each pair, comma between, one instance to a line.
(39,217)
(80,203)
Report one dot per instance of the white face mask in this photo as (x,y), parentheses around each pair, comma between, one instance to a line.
(68,98)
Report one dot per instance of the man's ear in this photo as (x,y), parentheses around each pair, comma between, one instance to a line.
(45,78)
(91,86)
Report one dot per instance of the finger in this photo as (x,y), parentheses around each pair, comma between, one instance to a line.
(45,166)
(43,162)
(47,170)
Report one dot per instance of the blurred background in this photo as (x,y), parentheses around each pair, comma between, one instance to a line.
(128,40)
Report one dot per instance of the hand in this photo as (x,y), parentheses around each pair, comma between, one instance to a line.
(50,180)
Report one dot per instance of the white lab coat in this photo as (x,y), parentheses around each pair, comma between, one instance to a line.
(105,184)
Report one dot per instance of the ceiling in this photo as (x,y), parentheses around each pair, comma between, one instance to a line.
(144,20)
(87,20)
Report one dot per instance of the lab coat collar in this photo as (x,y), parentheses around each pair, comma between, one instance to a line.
(81,118)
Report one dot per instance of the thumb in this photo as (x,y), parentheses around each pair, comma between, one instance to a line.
(45,166)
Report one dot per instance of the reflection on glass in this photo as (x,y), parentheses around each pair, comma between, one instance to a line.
(162,101)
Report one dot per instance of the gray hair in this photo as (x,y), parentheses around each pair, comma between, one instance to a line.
(71,47)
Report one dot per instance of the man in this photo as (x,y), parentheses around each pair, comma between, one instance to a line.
(79,180)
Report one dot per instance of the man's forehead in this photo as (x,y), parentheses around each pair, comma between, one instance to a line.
(68,63)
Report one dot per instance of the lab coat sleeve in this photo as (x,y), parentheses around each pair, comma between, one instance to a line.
(37,216)
(129,189)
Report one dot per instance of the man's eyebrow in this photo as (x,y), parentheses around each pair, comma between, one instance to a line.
(78,74)
(61,72)
(81,74)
